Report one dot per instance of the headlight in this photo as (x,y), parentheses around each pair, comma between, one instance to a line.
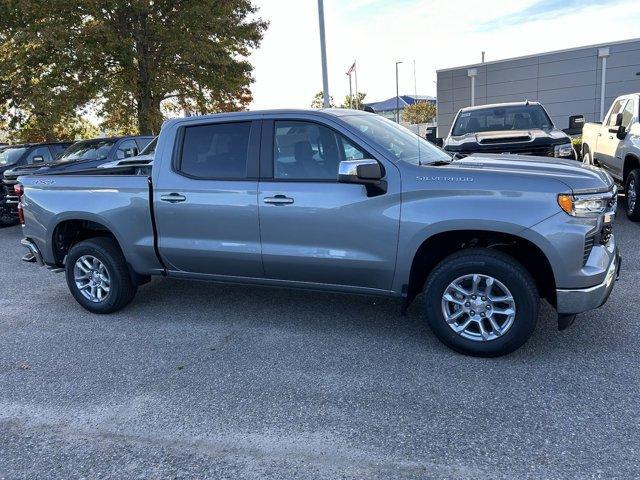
(588,205)
(564,150)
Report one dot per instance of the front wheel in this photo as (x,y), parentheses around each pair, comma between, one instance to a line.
(631,186)
(586,158)
(98,276)
(481,302)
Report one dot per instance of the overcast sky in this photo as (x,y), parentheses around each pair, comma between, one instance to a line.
(435,33)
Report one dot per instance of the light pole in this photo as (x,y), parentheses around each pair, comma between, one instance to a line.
(397,95)
(323,52)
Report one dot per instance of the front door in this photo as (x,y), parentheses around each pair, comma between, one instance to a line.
(608,142)
(206,201)
(315,229)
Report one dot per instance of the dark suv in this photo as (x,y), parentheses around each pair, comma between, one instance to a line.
(82,155)
(32,155)
(522,128)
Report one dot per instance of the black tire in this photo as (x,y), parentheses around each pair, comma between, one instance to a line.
(121,289)
(632,183)
(503,268)
(587,159)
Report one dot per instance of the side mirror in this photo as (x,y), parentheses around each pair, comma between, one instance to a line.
(618,120)
(365,172)
(37,159)
(621,133)
(130,152)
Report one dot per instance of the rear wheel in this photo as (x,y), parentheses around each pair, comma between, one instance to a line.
(631,186)
(98,276)
(481,302)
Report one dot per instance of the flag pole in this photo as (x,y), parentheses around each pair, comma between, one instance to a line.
(355,71)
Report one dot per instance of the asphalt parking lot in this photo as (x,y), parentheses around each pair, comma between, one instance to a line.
(198,380)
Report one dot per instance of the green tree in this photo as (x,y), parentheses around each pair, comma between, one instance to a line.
(358,101)
(128,57)
(318,101)
(420,112)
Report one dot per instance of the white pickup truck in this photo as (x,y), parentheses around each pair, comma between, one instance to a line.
(614,145)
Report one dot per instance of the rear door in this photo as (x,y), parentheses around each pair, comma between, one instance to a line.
(206,201)
(313,228)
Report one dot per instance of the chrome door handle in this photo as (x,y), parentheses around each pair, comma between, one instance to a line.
(279,200)
(173,198)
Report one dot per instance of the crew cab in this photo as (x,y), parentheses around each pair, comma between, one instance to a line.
(522,128)
(15,156)
(336,200)
(614,145)
(82,155)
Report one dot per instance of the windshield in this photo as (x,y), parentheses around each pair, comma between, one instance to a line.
(498,119)
(10,156)
(150,149)
(87,150)
(397,140)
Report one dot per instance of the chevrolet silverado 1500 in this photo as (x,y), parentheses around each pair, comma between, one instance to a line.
(336,200)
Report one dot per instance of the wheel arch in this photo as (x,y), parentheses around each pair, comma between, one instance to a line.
(438,246)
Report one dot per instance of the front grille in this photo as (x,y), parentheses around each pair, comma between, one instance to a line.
(9,184)
(588,246)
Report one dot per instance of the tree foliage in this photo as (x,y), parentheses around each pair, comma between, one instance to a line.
(129,59)
(318,100)
(357,103)
(420,112)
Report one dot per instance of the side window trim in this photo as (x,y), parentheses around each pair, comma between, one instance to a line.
(253,150)
(267,158)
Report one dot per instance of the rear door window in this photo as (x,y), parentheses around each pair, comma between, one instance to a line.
(216,151)
(126,149)
(39,155)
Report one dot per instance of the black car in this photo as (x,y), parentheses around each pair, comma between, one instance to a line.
(522,128)
(82,155)
(24,155)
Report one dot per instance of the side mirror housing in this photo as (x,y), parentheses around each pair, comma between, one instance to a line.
(367,172)
(621,133)
(618,119)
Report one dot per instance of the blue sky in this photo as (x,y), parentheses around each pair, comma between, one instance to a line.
(435,33)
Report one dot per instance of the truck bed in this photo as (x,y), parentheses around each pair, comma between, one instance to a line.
(118,201)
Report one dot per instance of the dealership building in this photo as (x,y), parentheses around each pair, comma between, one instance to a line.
(577,81)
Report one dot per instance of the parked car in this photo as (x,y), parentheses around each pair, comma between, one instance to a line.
(143,159)
(614,145)
(27,154)
(522,128)
(82,155)
(342,201)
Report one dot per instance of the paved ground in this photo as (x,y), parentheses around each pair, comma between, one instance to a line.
(196,380)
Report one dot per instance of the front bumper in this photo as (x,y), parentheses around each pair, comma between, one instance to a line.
(572,301)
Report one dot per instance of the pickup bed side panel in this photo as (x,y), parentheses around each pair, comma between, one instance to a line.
(119,203)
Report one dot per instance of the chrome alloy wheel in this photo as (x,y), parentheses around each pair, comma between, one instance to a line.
(92,278)
(478,307)
(632,195)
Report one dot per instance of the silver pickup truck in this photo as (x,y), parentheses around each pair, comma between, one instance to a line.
(336,200)
(614,145)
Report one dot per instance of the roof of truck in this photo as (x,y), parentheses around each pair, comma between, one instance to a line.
(498,105)
(324,112)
